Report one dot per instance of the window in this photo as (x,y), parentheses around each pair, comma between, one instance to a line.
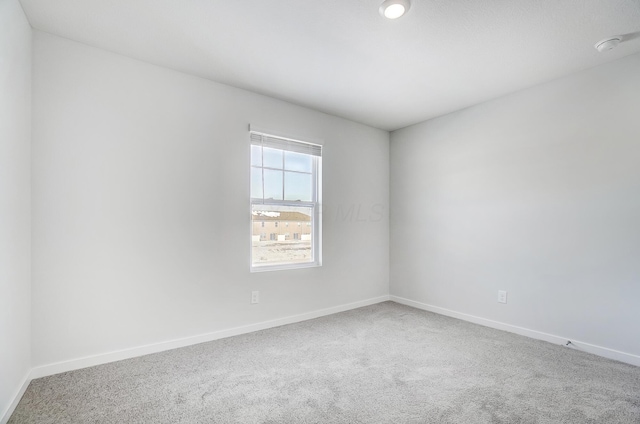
(285,187)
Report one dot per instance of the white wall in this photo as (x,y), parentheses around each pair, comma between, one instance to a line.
(536,193)
(141,205)
(15,200)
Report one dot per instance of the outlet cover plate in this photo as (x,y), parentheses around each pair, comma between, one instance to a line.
(502,296)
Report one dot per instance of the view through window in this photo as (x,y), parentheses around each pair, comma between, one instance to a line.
(285,193)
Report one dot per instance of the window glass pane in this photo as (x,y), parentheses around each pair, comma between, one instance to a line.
(297,186)
(281,247)
(272,158)
(297,162)
(256,155)
(256,183)
(272,184)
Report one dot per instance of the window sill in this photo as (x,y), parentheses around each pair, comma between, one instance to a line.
(283,267)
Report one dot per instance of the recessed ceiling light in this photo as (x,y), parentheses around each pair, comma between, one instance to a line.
(393,9)
(607,44)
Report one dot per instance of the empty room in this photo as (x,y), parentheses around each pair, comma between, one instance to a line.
(286,211)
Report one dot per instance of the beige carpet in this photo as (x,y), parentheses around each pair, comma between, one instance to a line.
(385,363)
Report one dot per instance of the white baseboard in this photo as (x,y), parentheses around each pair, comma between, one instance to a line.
(6,414)
(89,361)
(628,358)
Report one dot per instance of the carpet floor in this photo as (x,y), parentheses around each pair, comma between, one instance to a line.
(385,363)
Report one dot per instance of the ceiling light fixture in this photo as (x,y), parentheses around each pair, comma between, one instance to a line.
(607,44)
(393,9)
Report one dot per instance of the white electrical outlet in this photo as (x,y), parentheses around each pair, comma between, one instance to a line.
(255,297)
(502,296)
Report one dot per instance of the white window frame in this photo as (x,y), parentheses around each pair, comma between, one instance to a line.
(315,204)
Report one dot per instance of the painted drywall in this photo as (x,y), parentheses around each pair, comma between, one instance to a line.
(15,201)
(141,205)
(536,193)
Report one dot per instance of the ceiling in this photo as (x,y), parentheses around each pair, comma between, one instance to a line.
(343,58)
